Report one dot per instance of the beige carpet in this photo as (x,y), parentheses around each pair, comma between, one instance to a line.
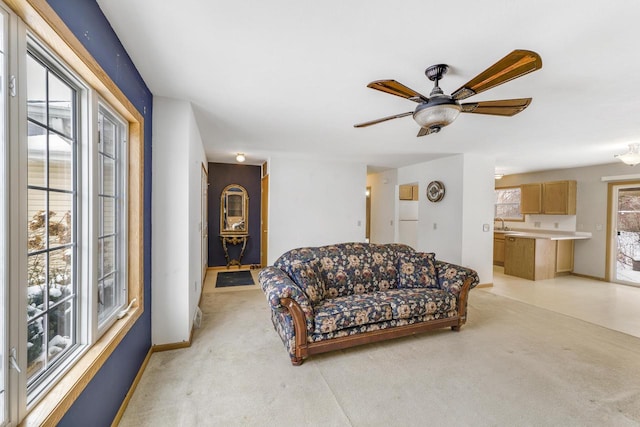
(513,364)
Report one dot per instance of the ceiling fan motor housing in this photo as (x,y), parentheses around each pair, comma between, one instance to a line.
(439,112)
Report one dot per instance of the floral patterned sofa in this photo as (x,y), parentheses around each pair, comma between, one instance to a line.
(333,297)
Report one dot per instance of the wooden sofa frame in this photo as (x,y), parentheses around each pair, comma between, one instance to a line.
(303,348)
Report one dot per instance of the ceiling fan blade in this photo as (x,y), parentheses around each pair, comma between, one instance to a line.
(384,119)
(425,131)
(514,65)
(398,89)
(503,107)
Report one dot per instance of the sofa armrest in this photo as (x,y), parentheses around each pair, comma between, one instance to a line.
(452,277)
(281,291)
(277,285)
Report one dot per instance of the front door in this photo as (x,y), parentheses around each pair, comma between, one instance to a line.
(625,233)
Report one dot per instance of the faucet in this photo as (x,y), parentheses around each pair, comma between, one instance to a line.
(502,221)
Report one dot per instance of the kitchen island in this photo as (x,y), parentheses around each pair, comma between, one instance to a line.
(537,255)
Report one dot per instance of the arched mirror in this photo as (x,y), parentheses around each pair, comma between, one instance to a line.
(234,210)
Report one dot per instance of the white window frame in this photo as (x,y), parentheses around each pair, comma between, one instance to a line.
(5,369)
(495,207)
(51,405)
(122,196)
(82,119)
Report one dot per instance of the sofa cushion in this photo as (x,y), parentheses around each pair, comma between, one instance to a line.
(307,276)
(417,270)
(408,303)
(356,310)
(345,312)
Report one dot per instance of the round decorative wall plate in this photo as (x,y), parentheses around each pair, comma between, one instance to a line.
(435,191)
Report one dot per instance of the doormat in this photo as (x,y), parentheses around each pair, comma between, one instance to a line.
(234,278)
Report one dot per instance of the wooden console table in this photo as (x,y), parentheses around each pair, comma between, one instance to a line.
(235,239)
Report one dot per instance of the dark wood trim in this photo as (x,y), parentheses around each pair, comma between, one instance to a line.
(303,348)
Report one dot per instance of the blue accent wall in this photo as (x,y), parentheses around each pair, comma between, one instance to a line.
(100,401)
(221,175)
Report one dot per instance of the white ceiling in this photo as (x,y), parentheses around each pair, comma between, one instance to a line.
(290,76)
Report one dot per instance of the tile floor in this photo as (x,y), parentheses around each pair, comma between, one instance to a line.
(606,304)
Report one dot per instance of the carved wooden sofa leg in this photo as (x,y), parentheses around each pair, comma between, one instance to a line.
(462,304)
(300,330)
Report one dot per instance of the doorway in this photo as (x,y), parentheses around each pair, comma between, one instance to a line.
(204,220)
(624,233)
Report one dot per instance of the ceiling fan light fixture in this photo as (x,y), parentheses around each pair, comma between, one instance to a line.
(631,157)
(437,113)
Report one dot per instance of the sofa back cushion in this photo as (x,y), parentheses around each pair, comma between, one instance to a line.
(350,268)
(307,276)
(417,270)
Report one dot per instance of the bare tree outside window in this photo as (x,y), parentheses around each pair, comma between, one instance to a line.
(507,204)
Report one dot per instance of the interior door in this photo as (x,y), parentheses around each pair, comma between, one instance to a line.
(264,219)
(204,220)
(624,255)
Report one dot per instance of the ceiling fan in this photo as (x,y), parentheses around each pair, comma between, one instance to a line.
(439,110)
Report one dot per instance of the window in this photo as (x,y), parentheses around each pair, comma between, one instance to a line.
(507,204)
(111,275)
(52,274)
(71,248)
(3,215)
(60,222)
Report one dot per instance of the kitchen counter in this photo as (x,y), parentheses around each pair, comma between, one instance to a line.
(536,254)
(546,234)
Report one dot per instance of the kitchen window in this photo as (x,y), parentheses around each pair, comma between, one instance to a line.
(507,204)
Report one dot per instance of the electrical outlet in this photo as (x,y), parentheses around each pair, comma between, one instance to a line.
(536,224)
(485,227)
(435,226)
(556,225)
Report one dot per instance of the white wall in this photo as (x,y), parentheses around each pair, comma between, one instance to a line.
(314,202)
(453,227)
(591,209)
(384,209)
(177,154)
(197,158)
(477,215)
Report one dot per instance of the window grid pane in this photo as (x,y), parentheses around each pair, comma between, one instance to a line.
(507,203)
(51,200)
(110,237)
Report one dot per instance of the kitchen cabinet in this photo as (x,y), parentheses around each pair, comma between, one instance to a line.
(532,259)
(408,192)
(549,198)
(498,248)
(564,256)
(537,259)
(559,198)
(531,198)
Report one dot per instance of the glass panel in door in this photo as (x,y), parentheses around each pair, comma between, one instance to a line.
(627,235)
